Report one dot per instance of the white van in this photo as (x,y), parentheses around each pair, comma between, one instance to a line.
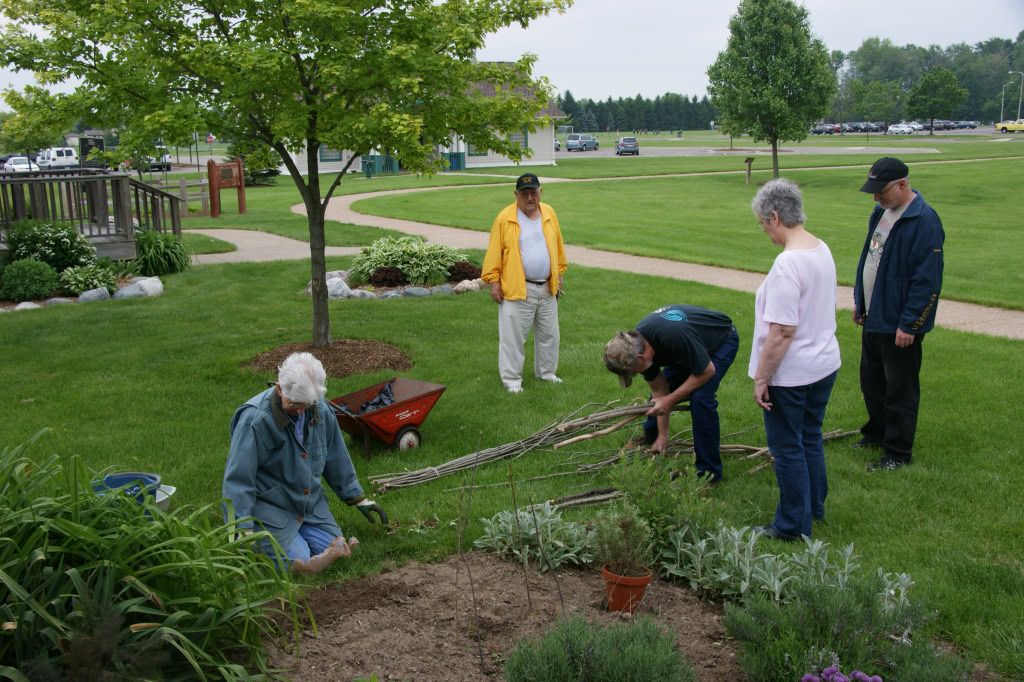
(162,160)
(57,157)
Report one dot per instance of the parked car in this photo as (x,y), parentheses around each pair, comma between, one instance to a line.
(899,129)
(162,160)
(821,130)
(57,157)
(915,125)
(20,164)
(627,145)
(580,142)
(847,128)
(558,145)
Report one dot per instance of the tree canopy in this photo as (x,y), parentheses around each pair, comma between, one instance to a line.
(774,78)
(935,95)
(359,75)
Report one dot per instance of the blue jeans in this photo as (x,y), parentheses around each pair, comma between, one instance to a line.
(703,409)
(793,427)
(307,543)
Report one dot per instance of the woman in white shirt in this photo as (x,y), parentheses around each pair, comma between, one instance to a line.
(795,357)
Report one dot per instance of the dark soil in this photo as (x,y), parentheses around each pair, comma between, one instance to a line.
(342,358)
(416,623)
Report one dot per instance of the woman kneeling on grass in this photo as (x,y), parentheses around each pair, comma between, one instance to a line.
(283,441)
(795,357)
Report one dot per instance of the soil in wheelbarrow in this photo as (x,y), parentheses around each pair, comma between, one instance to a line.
(342,358)
(416,623)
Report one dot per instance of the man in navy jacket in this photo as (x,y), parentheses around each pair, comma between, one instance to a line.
(896,293)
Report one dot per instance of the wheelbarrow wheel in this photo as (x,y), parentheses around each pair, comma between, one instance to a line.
(408,438)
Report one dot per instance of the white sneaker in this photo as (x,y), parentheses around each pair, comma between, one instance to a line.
(553,379)
(514,389)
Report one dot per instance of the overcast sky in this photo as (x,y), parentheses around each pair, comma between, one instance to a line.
(621,48)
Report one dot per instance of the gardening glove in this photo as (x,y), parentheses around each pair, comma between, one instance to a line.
(367,507)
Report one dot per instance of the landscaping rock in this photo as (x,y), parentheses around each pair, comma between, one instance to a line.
(140,278)
(130,291)
(390,294)
(27,305)
(335,274)
(466,285)
(360,293)
(97,294)
(57,301)
(152,286)
(336,288)
(416,291)
(442,290)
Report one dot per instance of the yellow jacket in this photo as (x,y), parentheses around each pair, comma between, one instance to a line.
(504,262)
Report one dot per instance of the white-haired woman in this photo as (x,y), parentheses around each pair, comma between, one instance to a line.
(795,357)
(282,442)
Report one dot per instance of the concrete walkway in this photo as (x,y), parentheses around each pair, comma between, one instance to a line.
(253,246)
(261,246)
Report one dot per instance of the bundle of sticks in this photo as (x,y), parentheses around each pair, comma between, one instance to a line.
(568,430)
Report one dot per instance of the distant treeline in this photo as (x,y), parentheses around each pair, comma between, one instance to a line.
(666,112)
(982,69)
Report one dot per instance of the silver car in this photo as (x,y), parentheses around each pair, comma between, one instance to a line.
(627,145)
(580,143)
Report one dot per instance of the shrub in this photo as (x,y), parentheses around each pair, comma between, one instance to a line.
(461,270)
(158,253)
(420,262)
(665,502)
(28,280)
(78,279)
(575,650)
(101,587)
(260,162)
(564,542)
(623,540)
(825,626)
(388,276)
(60,245)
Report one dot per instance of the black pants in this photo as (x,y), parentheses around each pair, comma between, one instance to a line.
(890,382)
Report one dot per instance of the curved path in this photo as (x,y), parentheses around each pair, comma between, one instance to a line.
(260,246)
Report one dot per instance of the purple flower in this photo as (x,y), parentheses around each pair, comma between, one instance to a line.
(810,678)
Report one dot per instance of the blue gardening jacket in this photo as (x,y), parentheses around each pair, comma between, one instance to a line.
(271,477)
(906,292)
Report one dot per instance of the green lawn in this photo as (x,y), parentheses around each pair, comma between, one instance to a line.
(151,384)
(707,219)
(581,166)
(269,207)
(201,243)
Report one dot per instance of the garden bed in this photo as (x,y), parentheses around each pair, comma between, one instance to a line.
(416,623)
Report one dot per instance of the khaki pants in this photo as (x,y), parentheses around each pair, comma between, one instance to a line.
(515,318)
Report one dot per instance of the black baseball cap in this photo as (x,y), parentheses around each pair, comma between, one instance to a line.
(527,180)
(883,172)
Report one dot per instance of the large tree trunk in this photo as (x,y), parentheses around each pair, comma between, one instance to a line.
(775,158)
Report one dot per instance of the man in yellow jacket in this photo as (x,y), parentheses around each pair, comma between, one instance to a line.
(523,266)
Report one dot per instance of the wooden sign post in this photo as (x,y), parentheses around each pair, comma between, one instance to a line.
(223,176)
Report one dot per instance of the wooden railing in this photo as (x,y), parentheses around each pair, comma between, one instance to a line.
(107,207)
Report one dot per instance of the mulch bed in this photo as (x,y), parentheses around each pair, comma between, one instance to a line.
(343,358)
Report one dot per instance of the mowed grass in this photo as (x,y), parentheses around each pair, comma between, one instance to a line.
(707,219)
(199,243)
(583,165)
(151,384)
(269,207)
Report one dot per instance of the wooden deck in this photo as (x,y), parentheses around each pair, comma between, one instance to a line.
(107,207)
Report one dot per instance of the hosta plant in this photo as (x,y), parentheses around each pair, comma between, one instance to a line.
(78,279)
(421,263)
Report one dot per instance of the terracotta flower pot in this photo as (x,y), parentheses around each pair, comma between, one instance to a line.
(624,592)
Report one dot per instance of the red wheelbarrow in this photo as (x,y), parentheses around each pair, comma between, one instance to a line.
(396,424)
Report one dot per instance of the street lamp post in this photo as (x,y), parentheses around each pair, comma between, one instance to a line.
(1020,98)
(1002,104)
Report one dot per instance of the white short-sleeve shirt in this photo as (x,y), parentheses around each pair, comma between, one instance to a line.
(800,291)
